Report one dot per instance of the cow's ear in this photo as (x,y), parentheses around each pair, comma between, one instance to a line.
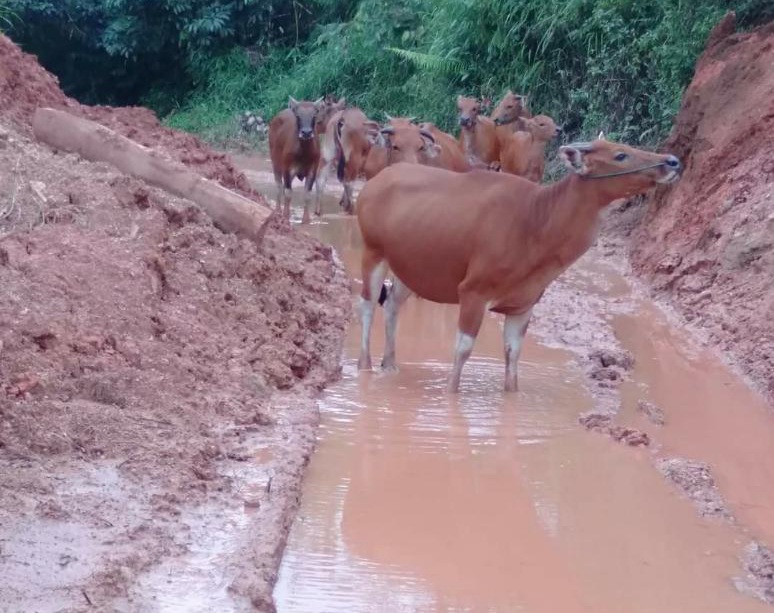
(292,103)
(573,158)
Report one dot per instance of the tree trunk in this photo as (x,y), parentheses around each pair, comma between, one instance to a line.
(230,212)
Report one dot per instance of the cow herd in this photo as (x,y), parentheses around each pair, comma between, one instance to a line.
(435,213)
(511,140)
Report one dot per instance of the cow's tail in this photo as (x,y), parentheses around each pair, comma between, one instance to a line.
(383,295)
(341,163)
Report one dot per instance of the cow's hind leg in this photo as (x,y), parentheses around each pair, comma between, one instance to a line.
(396,296)
(280,191)
(472,309)
(514,330)
(288,181)
(308,195)
(374,270)
(319,186)
(347,200)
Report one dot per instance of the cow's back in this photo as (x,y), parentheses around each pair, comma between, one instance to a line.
(424,219)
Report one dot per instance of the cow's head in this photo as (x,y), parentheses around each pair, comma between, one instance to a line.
(622,170)
(306,114)
(330,107)
(542,127)
(409,143)
(511,107)
(469,110)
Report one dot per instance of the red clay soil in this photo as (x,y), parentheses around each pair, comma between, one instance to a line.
(707,244)
(152,366)
(25,86)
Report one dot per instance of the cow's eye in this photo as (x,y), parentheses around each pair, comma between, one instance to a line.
(621,157)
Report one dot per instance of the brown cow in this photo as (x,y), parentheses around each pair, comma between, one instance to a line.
(346,144)
(402,141)
(480,136)
(486,241)
(510,111)
(294,149)
(451,157)
(378,157)
(523,153)
(329,108)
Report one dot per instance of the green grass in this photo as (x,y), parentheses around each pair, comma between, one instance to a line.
(614,65)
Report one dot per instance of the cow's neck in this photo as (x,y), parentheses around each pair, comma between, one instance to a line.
(469,141)
(566,216)
(308,144)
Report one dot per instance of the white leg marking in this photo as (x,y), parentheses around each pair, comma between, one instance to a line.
(367,314)
(307,205)
(462,350)
(397,295)
(322,181)
(514,331)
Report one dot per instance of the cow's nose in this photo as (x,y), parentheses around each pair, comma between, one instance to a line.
(673,162)
(306,134)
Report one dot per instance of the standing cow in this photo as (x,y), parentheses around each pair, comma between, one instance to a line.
(295,149)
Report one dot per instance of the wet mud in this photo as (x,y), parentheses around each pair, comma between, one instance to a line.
(417,501)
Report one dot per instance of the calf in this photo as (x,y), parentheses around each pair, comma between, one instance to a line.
(488,241)
(523,153)
(450,156)
(510,112)
(478,136)
(401,141)
(294,149)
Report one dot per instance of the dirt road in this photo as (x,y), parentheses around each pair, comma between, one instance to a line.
(418,502)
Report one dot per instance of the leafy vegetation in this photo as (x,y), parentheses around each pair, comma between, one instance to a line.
(618,65)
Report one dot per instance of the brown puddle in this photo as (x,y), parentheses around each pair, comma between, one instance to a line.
(415,501)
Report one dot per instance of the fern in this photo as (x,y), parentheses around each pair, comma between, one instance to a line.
(428,62)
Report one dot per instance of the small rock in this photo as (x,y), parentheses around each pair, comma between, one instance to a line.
(758,562)
(668,264)
(630,436)
(601,373)
(695,479)
(654,414)
(602,423)
(595,421)
(613,357)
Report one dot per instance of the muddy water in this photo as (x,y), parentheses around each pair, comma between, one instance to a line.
(416,501)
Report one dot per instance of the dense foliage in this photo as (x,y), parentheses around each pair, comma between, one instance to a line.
(620,65)
(131,51)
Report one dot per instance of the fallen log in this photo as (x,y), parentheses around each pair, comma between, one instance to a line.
(229,211)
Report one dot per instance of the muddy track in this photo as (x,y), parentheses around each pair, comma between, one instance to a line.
(158,377)
(615,471)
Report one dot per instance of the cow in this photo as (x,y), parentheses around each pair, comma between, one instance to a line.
(450,156)
(480,136)
(510,112)
(330,107)
(523,153)
(401,141)
(346,144)
(487,241)
(294,149)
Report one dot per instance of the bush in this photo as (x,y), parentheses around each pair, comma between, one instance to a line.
(618,65)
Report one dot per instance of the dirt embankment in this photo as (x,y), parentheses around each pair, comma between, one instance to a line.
(707,245)
(152,366)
